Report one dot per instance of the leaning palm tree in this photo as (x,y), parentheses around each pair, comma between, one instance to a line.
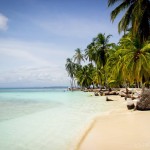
(136,17)
(78,57)
(70,69)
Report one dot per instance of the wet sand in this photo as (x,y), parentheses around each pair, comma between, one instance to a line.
(121,129)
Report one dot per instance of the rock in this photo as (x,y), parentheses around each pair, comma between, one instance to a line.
(135,102)
(96,94)
(122,95)
(113,93)
(130,104)
(101,93)
(144,102)
(106,93)
(129,96)
(108,99)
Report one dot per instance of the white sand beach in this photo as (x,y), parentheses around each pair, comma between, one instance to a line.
(120,129)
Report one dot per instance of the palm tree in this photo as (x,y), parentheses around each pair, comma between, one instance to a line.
(136,56)
(131,62)
(84,76)
(90,52)
(115,68)
(70,67)
(136,18)
(98,52)
(78,57)
(102,45)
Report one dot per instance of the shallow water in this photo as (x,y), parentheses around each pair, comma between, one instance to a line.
(49,119)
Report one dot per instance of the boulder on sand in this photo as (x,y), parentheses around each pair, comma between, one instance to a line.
(144,102)
(130,104)
(96,94)
(108,99)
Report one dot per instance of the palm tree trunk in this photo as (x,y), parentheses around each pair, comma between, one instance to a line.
(71,84)
(75,83)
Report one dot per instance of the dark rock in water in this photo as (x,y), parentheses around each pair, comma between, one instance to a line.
(130,105)
(108,99)
(144,102)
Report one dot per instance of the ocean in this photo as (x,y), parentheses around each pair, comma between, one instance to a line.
(45,118)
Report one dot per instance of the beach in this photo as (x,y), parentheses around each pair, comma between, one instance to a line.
(119,129)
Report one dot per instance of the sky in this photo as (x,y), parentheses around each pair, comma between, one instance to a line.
(37,36)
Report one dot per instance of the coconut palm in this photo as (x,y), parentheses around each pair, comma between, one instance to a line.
(115,68)
(136,56)
(102,45)
(84,76)
(90,52)
(98,76)
(131,62)
(136,17)
(97,51)
(78,57)
(70,67)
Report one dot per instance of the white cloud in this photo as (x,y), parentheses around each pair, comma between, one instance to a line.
(31,64)
(44,76)
(3,22)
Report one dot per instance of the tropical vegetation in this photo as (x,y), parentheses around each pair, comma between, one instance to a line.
(126,63)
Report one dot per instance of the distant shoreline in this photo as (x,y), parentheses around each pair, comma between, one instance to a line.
(34,87)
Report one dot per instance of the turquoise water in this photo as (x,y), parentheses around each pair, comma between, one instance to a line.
(45,119)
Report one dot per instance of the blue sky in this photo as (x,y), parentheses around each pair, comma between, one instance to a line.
(36,37)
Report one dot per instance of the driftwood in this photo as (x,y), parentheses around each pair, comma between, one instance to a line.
(109,93)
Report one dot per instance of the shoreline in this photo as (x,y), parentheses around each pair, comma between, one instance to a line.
(96,136)
(84,132)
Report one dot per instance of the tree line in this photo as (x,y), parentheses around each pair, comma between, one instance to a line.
(116,65)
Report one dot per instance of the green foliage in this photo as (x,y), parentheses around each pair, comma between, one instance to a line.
(117,65)
(78,57)
(136,18)
(114,65)
(130,62)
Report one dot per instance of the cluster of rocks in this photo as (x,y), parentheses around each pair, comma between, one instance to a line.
(144,102)
(141,103)
(106,92)
(135,98)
